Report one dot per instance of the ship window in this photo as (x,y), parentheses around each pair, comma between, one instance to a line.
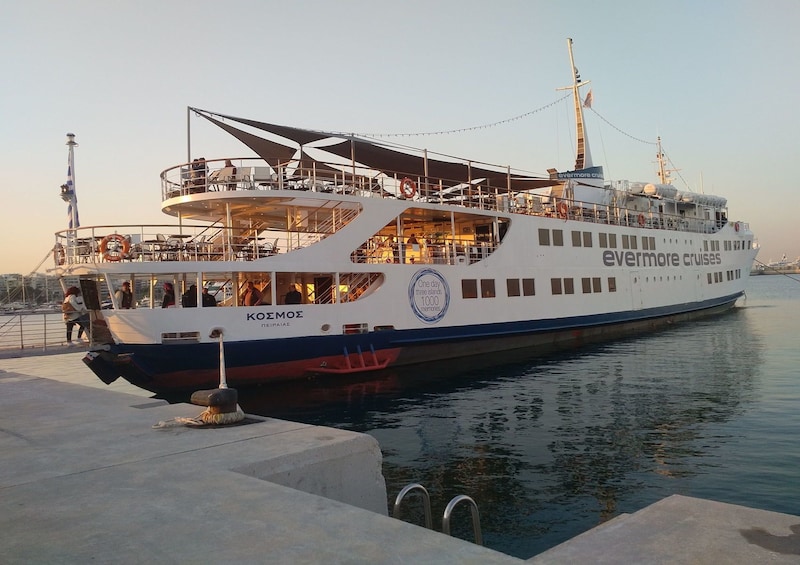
(558,237)
(576,239)
(487,288)
(705,245)
(587,239)
(512,287)
(544,236)
(709,278)
(653,243)
(626,242)
(555,286)
(469,288)
(612,240)
(528,287)
(633,242)
(612,284)
(645,243)
(590,285)
(569,286)
(603,240)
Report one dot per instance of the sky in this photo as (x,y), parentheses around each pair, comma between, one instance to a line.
(717,80)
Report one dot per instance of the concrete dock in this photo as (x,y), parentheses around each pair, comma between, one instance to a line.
(106,474)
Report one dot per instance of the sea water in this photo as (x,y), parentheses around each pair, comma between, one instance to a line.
(551,447)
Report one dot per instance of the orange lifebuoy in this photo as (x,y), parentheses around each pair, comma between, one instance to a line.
(114,247)
(641,219)
(563,209)
(736,226)
(408,188)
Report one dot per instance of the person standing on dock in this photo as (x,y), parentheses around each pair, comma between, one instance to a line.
(75,312)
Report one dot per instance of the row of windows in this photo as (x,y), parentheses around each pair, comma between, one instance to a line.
(735,245)
(527,287)
(589,285)
(605,240)
(609,241)
(730,275)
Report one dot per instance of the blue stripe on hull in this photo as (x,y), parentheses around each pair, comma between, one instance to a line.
(177,367)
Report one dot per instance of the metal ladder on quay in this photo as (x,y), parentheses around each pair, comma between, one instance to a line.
(448,511)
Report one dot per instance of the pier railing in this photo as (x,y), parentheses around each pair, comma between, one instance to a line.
(31,332)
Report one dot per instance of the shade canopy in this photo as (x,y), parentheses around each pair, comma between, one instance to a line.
(286,144)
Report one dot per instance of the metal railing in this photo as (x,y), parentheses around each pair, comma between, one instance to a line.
(323,177)
(448,511)
(140,243)
(31,331)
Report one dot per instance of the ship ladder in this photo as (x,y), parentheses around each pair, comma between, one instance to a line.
(426,504)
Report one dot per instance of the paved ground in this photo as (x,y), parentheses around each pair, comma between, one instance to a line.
(85,477)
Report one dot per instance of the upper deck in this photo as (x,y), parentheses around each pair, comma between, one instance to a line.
(243,209)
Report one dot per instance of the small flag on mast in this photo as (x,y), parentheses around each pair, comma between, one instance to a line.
(72,205)
(587,102)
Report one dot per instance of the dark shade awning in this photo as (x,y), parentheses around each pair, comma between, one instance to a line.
(371,154)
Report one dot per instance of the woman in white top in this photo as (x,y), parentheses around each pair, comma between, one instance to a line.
(75,312)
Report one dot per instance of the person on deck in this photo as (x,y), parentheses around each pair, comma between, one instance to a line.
(124,296)
(169,296)
(251,295)
(208,299)
(231,174)
(293,296)
(189,298)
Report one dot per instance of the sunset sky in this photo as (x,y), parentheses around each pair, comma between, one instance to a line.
(717,80)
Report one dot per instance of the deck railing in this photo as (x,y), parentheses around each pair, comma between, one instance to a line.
(254,174)
(127,243)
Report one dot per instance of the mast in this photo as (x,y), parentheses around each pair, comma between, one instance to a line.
(663,173)
(68,188)
(583,158)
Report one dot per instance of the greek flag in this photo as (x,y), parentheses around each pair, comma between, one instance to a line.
(72,205)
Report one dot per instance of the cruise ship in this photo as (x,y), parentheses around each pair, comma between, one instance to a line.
(329,254)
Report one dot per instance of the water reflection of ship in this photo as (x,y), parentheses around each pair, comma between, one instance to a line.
(551,447)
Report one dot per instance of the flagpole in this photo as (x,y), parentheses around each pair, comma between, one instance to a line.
(68,195)
(73,220)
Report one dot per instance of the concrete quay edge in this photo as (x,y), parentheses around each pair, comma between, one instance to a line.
(86,477)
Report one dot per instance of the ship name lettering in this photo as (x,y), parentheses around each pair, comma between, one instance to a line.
(640,259)
(653,259)
(289,315)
